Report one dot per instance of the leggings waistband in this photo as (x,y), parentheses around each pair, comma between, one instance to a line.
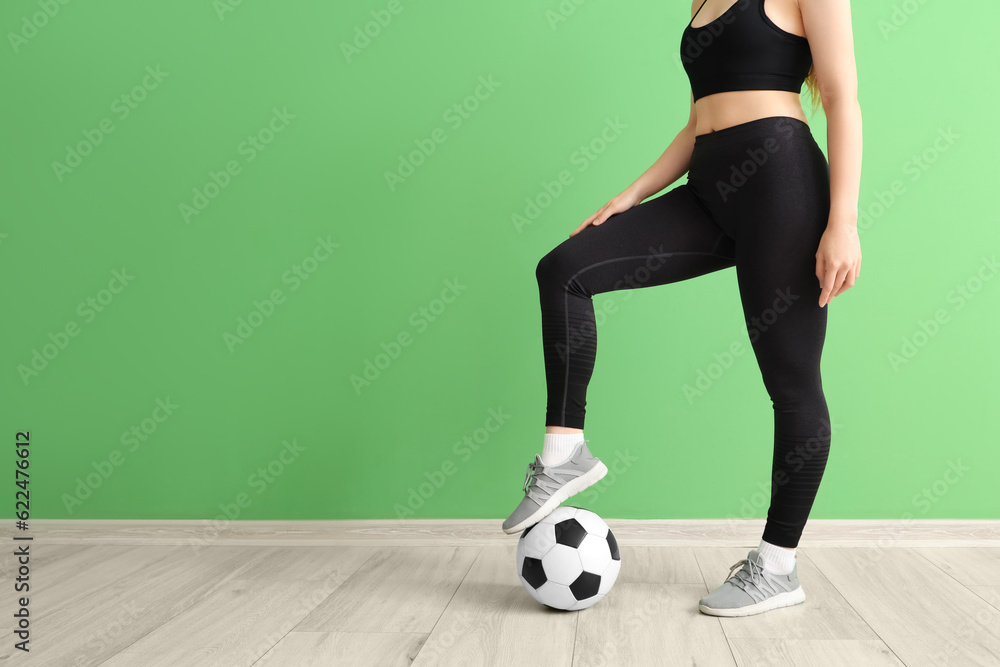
(785,126)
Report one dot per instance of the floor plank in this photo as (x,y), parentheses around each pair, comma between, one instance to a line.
(232,627)
(62,561)
(922,614)
(491,620)
(659,565)
(344,649)
(972,566)
(96,626)
(650,624)
(761,652)
(990,594)
(70,577)
(401,589)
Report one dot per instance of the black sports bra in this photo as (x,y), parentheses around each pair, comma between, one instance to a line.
(743,50)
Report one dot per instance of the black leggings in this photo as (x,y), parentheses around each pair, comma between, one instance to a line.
(757,197)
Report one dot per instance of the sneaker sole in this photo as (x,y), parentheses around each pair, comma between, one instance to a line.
(786,599)
(570,488)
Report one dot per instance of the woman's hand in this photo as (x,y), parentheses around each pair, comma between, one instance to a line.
(838,261)
(622,202)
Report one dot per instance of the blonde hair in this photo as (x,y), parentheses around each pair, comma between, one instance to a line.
(812,83)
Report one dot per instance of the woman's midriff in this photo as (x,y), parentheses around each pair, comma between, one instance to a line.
(722,110)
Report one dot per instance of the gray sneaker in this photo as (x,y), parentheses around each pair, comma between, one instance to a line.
(545,487)
(753,590)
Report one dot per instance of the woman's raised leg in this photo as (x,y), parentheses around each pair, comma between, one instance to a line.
(662,240)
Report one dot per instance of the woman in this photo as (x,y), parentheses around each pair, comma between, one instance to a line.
(760,196)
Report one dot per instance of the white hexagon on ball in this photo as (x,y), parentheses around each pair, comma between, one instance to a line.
(562,564)
(609,576)
(589,602)
(556,595)
(538,539)
(594,553)
(593,524)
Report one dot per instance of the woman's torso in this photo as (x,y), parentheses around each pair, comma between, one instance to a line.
(725,109)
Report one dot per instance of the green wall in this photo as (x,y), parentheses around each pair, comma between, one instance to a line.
(202,245)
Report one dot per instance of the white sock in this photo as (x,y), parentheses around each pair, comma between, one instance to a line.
(777,560)
(557,447)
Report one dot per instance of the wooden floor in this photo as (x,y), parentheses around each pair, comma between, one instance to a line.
(446,593)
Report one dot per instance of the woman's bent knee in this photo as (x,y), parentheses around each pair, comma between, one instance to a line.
(553,267)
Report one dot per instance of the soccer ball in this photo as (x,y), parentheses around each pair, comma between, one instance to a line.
(568,560)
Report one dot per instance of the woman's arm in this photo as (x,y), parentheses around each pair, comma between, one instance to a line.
(828,27)
(671,165)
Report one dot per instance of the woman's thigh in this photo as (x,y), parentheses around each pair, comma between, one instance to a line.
(662,240)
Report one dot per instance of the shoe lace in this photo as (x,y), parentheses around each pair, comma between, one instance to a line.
(537,477)
(530,477)
(750,574)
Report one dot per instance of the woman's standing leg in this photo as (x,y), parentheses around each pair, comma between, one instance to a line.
(767,184)
(778,214)
(780,294)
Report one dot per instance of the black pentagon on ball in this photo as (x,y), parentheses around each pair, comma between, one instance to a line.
(533,573)
(527,530)
(613,543)
(570,533)
(586,586)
